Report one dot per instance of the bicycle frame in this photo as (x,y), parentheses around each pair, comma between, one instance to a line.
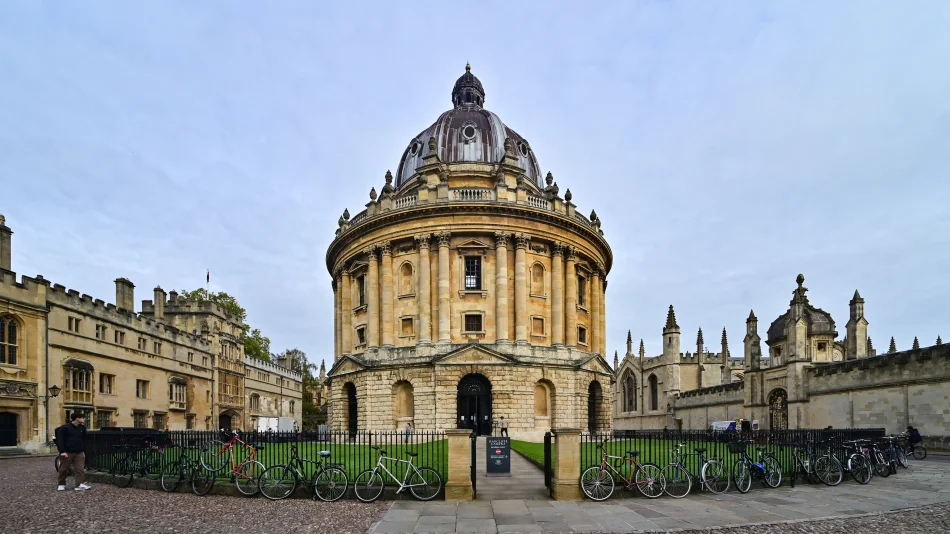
(235,467)
(409,469)
(630,461)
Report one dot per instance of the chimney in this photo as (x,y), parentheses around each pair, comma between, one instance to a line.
(173,297)
(159,302)
(124,294)
(5,241)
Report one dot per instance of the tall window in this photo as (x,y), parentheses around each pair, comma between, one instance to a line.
(630,394)
(582,291)
(141,389)
(293,406)
(473,272)
(8,340)
(103,419)
(654,394)
(361,335)
(581,335)
(77,385)
(255,402)
(101,331)
(361,287)
(119,337)
(158,421)
(190,422)
(139,419)
(74,324)
(176,395)
(106,384)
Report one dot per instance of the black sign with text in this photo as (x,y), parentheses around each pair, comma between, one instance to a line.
(498,455)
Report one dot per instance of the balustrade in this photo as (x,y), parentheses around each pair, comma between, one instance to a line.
(472,195)
(404,202)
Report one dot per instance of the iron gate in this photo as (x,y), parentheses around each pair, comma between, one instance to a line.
(474,440)
(548,462)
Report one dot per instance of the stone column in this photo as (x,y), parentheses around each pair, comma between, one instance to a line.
(603,311)
(445,310)
(567,465)
(422,291)
(570,299)
(557,294)
(521,289)
(372,299)
(458,483)
(346,314)
(337,313)
(387,294)
(594,307)
(501,286)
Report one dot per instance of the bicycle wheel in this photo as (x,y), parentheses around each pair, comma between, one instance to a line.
(171,477)
(202,480)
(213,458)
(901,457)
(678,481)
(880,466)
(829,471)
(860,468)
(331,483)
(153,463)
(742,476)
(247,476)
(715,476)
(122,473)
(277,482)
(773,472)
(597,483)
(650,480)
(919,452)
(368,485)
(58,462)
(425,483)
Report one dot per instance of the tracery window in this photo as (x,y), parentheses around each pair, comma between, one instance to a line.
(8,340)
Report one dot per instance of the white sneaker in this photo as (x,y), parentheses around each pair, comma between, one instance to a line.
(83,487)
(60,488)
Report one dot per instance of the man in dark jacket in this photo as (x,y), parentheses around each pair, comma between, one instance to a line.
(70,439)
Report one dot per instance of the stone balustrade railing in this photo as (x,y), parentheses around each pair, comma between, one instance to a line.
(404,202)
(538,202)
(468,194)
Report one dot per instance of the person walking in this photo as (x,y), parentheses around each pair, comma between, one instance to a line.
(70,440)
(504,426)
(408,431)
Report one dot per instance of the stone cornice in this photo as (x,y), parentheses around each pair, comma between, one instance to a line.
(502,210)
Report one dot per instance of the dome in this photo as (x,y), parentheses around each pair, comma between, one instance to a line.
(468,133)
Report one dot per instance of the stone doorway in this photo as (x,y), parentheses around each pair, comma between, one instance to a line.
(224,421)
(8,429)
(778,410)
(352,409)
(474,404)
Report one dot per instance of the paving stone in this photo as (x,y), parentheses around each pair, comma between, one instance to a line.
(476,525)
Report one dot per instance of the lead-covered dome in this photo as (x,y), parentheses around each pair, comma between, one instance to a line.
(468,133)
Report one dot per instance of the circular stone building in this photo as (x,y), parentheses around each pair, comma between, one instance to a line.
(469,289)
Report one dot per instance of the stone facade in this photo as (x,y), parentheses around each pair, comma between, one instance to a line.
(471,265)
(811,380)
(179,364)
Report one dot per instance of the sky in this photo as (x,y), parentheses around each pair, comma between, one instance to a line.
(726,146)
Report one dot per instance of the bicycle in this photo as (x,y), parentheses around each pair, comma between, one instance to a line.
(918,451)
(597,482)
(886,446)
(125,468)
(825,468)
(246,473)
(328,481)
(900,455)
(186,467)
(875,457)
(856,463)
(679,479)
(745,469)
(424,484)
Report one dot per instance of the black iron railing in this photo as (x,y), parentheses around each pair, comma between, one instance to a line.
(656,446)
(354,452)
(548,460)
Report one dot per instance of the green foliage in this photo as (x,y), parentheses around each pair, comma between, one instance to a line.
(226,302)
(256,345)
(312,415)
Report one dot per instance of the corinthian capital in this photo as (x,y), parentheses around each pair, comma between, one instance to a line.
(371,251)
(386,249)
(501,239)
(557,249)
(521,240)
(422,241)
(444,238)
(571,253)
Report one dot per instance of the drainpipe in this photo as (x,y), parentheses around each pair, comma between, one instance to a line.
(46,385)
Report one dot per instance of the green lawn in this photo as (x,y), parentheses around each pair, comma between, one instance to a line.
(532,450)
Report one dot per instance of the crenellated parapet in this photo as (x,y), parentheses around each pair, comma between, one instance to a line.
(272,367)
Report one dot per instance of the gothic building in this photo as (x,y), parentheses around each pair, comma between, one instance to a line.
(469,289)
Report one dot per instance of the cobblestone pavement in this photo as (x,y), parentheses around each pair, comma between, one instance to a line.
(803,509)
(31,504)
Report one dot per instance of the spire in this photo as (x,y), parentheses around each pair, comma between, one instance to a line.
(699,337)
(629,337)
(323,369)
(643,351)
(629,343)
(616,361)
(671,318)
(751,317)
(725,344)
(893,347)
(916,344)
(857,296)
(870,346)
(939,341)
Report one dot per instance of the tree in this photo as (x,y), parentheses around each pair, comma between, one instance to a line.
(313,414)
(256,345)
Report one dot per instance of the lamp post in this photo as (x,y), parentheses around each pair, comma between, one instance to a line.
(53,391)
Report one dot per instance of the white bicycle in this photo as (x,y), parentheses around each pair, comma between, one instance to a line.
(423,482)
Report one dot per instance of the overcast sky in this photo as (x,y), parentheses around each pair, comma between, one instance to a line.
(727,147)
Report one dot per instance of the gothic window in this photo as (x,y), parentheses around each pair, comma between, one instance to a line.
(473,273)
(405,279)
(8,340)
(629,394)
(654,393)
(778,410)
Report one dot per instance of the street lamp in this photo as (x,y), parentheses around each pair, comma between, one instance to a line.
(53,392)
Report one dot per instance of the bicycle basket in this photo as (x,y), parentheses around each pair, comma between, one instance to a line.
(736,447)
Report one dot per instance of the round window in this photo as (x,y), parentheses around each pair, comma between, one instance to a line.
(523,148)
(468,131)
(413,148)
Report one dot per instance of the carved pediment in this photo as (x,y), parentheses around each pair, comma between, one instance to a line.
(358,267)
(345,365)
(472,246)
(474,354)
(597,364)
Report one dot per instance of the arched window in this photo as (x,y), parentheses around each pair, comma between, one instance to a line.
(537,279)
(629,394)
(778,409)
(405,279)
(8,340)
(403,404)
(654,393)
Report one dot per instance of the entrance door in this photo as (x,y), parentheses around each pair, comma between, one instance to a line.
(224,421)
(474,404)
(778,410)
(352,411)
(7,429)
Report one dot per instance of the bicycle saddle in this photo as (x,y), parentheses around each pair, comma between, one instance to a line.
(700,451)
(381,451)
(412,453)
(633,454)
(258,446)
(324,454)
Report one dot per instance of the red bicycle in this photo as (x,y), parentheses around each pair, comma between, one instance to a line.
(597,482)
(245,472)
